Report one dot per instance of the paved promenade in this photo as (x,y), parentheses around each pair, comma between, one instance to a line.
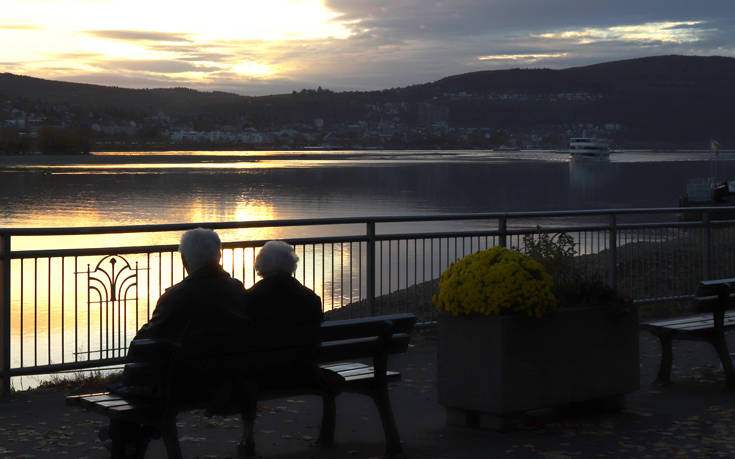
(693,417)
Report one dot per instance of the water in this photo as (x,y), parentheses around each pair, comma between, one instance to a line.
(201,187)
(125,189)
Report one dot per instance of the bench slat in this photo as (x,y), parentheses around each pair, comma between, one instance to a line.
(338,367)
(358,371)
(390,375)
(113,403)
(77,399)
(699,325)
(699,318)
(370,326)
(357,348)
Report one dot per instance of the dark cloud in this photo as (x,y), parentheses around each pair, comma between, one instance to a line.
(208,57)
(139,35)
(469,17)
(154,66)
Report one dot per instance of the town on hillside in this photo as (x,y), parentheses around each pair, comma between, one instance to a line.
(666,102)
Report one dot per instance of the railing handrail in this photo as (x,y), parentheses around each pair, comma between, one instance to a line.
(166,227)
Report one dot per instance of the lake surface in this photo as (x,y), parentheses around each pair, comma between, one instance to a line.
(120,189)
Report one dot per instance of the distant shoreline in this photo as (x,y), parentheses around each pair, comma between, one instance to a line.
(191,157)
(184,157)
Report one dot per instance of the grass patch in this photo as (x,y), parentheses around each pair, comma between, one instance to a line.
(81,381)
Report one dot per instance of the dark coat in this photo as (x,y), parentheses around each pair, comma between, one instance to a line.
(204,312)
(208,300)
(285,314)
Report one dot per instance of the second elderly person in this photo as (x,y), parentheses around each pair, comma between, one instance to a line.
(282,311)
(284,315)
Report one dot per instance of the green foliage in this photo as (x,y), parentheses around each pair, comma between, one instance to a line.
(556,252)
(55,140)
(12,142)
(495,281)
(572,287)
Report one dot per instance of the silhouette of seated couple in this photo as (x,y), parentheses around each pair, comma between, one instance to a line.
(211,313)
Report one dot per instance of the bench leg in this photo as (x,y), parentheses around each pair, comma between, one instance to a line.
(393,448)
(720,345)
(171,439)
(329,421)
(664,370)
(146,434)
(124,436)
(246,448)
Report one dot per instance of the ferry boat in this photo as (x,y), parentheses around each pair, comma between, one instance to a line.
(588,148)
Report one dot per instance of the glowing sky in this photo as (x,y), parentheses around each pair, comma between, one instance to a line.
(274,46)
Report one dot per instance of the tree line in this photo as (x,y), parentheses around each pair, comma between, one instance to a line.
(47,140)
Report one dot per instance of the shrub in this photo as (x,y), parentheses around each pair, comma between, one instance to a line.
(571,286)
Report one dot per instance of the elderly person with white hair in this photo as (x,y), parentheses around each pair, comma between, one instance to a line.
(207,299)
(206,302)
(282,310)
(284,314)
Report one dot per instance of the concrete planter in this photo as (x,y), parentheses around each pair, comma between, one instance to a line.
(493,367)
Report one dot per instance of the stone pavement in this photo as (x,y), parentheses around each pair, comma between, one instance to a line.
(693,417)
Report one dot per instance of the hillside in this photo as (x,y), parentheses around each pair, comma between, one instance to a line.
(663,100)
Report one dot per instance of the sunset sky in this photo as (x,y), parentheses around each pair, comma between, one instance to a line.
(257,47)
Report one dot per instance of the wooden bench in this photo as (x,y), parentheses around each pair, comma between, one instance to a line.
(342,341)
(715,297)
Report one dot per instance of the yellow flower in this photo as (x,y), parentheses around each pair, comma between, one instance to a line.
(495,281)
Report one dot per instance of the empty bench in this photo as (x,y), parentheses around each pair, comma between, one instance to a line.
(715,297)
(341,342)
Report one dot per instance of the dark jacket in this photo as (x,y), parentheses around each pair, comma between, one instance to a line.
(208,300)
(283,312)
(204,313)
(284,315)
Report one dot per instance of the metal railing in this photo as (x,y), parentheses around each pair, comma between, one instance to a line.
(76,303)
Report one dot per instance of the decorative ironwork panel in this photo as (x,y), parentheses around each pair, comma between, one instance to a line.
(111,286)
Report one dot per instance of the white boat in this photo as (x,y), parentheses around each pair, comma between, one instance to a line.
(588,148)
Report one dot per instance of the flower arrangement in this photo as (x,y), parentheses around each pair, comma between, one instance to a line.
(495,281)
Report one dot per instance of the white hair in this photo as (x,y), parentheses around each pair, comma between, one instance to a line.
(276,257)
(199,247)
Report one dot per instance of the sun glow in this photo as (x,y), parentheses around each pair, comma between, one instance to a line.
(253,69)
(182,39)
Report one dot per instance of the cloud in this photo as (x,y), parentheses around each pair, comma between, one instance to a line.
(75,56)
(139,35)
(470,17)
(401,42)
(154,66)
(19,27)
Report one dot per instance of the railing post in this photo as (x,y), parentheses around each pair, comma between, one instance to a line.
(5,314)
(503,230)
(612,278)
(371,267)
(707,245)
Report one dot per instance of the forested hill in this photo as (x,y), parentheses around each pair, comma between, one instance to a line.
(663,99)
